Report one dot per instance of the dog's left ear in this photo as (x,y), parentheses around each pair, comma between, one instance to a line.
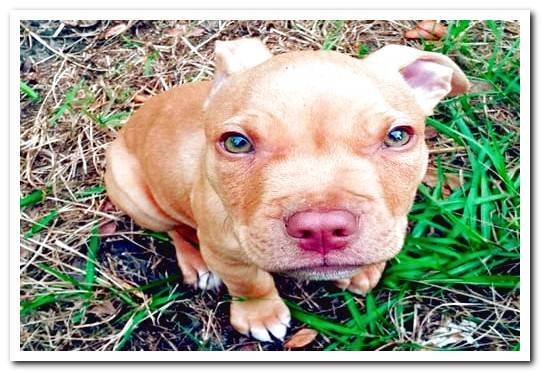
(234,56)
(238,55)
(431,76)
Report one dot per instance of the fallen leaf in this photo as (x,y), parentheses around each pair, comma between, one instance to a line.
(301,338)
(252,346)
(480,86)
(427,30)
(140,98)
(176,31)
(114,31)
(182,30)
(82,23)
(451,181)
(431,177)
(107,206)
(430,132)
(450,333)
(26,66)
(103,309)
(24,253)
(108,229)
(198,31)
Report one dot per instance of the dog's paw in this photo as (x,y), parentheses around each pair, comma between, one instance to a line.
(261,317)
(362,282)
(195,271)
(202,279)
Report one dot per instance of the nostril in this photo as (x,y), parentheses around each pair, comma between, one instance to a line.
(340,233)
(305,234)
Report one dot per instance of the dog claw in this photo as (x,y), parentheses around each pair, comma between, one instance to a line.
(260,334)
(207,280)
(357,291)
(285,319)
(278,331)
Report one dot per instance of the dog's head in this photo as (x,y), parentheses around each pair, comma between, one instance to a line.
(317,155)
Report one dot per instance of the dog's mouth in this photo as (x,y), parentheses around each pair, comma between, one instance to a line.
(323,272)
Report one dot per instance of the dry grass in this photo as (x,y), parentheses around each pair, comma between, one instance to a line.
(115,65)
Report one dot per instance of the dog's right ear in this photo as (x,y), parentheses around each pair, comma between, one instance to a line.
(430,76)
(235,56)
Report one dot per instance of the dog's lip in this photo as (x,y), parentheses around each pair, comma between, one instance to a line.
(323,272)
(323,268)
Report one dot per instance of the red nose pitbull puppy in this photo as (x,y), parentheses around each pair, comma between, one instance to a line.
(304,163)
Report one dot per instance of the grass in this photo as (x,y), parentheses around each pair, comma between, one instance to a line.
(92,280)
(67,103)
(29,92)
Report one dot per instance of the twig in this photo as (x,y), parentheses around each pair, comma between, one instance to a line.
(447,149)
(59,53)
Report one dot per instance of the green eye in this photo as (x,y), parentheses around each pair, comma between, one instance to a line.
(236,143)
(398,136)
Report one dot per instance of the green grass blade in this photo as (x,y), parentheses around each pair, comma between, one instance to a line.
(41,224)
(61,275)
(498,281)
(333,37)
(26,307)
(158,235)
(112,120)
(156,283)
(67,102)
(159,301)
(319,323)
(29,92)
(353,309)
(371,308)
(93,248)
(134,321)
(34,197)
(363,50)
(148,66)
(91,191)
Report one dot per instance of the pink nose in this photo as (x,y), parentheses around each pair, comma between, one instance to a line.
(322,231)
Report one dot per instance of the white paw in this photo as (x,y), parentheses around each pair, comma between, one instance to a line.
(279,330)
(261,318)
(262,333)
(207,280)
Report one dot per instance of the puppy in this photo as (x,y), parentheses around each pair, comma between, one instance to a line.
(304,163)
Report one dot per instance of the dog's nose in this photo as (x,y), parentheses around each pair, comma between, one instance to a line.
(322,231)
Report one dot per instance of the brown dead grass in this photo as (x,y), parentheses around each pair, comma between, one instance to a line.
(69,157)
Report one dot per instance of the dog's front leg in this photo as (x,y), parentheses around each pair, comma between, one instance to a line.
(256,307)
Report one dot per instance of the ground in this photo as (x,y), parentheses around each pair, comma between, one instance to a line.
(93,280)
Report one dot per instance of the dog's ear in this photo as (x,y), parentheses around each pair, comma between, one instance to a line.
(238,55)
(234,56)
(431,76)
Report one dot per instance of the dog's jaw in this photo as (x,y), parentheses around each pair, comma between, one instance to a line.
(323,272)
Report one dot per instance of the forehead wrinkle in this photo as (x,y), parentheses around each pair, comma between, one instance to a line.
(376,120)
(314,112)
(356,124)
(299,83)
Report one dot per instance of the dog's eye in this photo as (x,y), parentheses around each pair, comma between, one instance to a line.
(398,136)
(236,143)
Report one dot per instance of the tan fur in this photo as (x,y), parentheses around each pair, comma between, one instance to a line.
(317,120)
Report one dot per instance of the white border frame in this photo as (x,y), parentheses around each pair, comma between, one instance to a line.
(523,16)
